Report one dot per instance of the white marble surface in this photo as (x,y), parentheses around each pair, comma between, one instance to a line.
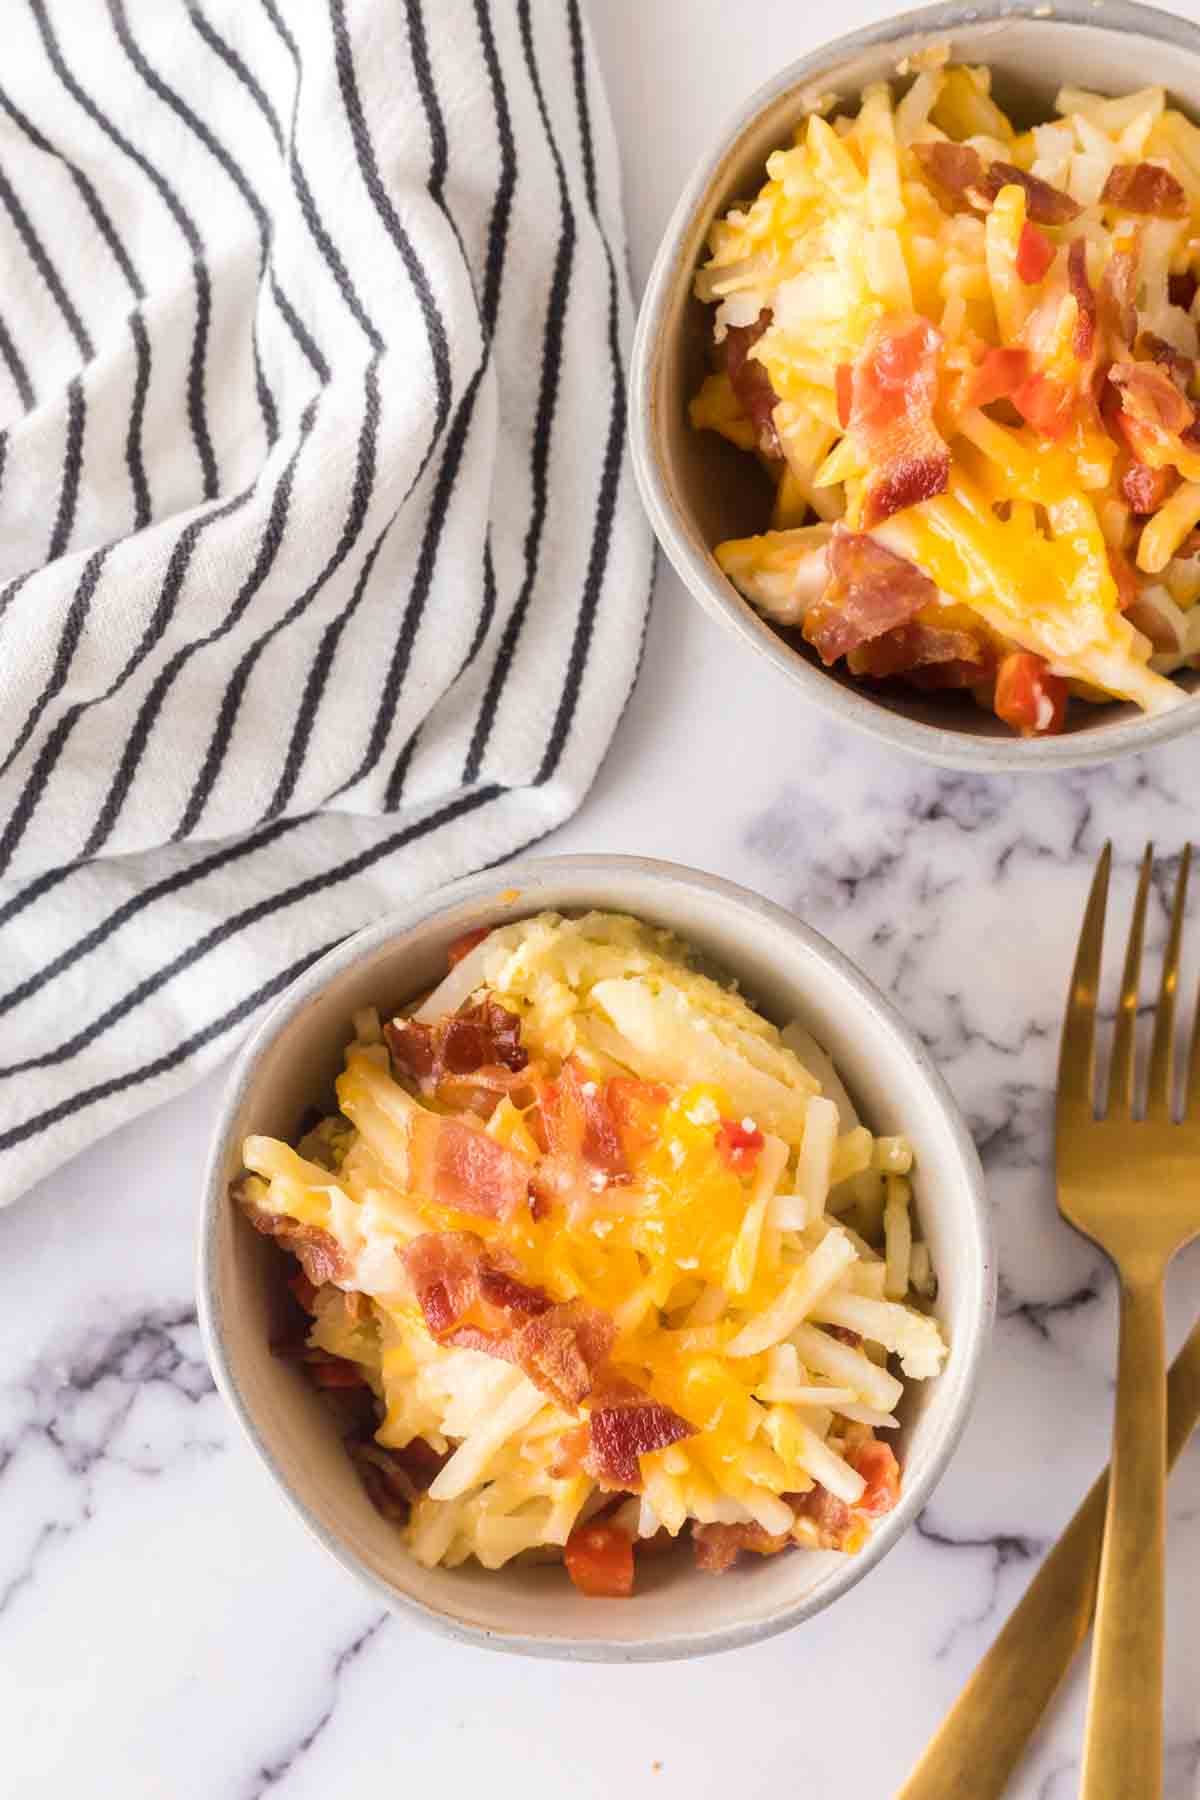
(167,1630)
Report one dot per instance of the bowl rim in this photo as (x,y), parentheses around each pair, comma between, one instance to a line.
(943,746)
(979,1307)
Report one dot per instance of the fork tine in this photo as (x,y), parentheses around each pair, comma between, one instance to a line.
(1121,1078)
(1077,1056)
(1162,1047)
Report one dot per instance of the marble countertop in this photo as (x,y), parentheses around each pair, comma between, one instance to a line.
(166,1627)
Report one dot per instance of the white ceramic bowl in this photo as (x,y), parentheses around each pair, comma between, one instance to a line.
(790,972)
(698,489)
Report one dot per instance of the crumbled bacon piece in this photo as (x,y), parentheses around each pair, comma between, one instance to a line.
(580,1123)
(717,1547)
(876,1463)
(563,1350)
(751,383)
(1044,204)
(466,1171)
(959,170)
(624,1423)
(1145,489)
(894,389)
(999,374)
(480,1035)
(318,1252)
(955,168)
(946,658)
(739,1146)
(870,591)
(452,1274)
(1084,341)
(1046,404)
(844,1335)
(1118,291)
(1179,367)
(1028,696)
(1145,188)
(831,1516)
(637,1107)
(1035,253)
(395,1479)
(1155,418)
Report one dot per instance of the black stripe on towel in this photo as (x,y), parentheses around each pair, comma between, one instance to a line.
(552,348)
(297,894)
(615,445)
(197,414)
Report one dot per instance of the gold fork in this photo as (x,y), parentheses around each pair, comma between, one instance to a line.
(1132,1185)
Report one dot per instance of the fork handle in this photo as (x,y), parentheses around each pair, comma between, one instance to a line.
(1123,1744)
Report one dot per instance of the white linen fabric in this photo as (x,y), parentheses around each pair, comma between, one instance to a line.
(322,577)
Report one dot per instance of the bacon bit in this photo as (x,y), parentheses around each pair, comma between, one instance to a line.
(944,658)
(959,170)
(395,1479)
(478,1036)
(451,1275)
(1156,420)
(1084,341)
(1181,290)
(1028,696)
(1118,292)
(468,1172)
(580,1122)
(625,1423)
(999,376)
(894,389)
(599,1560)
(870,591)
(463,946)
(563,1350)
(318,1252)
(1044,204)
(717,1547)
(1145,188)
(1179,367)
(751,383)
(637,1107)
(844,1335)
(831,1516)
(844,386)
(1035,253)
(1046,404)
(738,1148)
(955,168)
(1145,488)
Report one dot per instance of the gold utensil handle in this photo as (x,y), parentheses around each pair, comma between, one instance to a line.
(1123,1739)
(981,1739)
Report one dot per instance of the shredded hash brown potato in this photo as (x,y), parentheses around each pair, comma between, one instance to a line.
(965,356)
(606,1256)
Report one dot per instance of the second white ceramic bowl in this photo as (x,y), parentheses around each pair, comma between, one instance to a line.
(698,489)
(789,972)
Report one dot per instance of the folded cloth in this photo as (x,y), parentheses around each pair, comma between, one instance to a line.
(322,577)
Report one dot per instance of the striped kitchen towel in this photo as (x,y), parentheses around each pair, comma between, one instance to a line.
(322,577)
